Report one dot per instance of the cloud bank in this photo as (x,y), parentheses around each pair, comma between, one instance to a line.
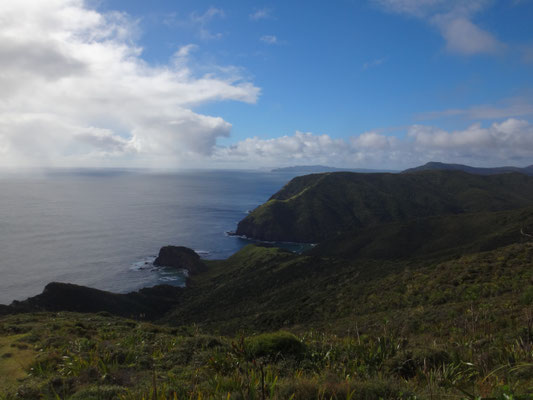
(75,91)
(501,143)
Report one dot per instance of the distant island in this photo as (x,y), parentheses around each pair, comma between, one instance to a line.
(430,166)
(314,169)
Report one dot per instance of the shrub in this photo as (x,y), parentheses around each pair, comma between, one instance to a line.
(274,345)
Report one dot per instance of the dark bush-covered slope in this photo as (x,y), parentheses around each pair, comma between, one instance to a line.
(432,237)
(316,207)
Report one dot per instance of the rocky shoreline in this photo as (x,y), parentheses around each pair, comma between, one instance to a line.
(148,303)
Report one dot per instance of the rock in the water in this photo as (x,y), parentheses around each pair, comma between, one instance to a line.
(180,257)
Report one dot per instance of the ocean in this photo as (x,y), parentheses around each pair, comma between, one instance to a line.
(103,229)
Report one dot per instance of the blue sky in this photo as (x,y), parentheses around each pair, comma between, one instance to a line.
(369,83)
(343,69)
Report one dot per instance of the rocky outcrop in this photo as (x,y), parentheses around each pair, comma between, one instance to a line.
(180,257)
(148,303)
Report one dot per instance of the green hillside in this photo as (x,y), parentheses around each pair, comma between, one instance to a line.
(316,207)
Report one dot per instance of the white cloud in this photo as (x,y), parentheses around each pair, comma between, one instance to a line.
(263,13)
(76,91)
(463,37)
(372,140)
(308,148)
(453,18)
(269,39)
(201,21)
(500,142)
(504,143)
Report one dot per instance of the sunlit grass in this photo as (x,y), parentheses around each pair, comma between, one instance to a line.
(15,358)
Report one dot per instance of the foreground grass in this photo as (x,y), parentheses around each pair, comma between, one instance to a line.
(15,359)
(88,356)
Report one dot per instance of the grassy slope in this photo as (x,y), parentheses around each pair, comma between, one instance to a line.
(436,331)
(316,207)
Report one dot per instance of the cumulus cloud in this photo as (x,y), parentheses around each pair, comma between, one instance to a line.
(309,148)
(76,90)
(453,18)
(513,137)
(373,141)
(507,142)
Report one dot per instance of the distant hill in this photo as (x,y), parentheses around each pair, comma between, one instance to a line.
(316,207)
(432,166)
(316,169)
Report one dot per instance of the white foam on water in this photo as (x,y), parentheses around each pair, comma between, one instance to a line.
(173,275)
(202,252)
(169,278)
(146,263)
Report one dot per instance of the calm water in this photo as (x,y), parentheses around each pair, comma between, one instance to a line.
(103,229)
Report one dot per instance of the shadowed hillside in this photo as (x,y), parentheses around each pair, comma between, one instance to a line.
(316,207)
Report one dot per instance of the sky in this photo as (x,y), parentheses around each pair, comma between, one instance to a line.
(382,84)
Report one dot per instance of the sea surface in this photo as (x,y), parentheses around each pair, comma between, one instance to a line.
(103,229)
